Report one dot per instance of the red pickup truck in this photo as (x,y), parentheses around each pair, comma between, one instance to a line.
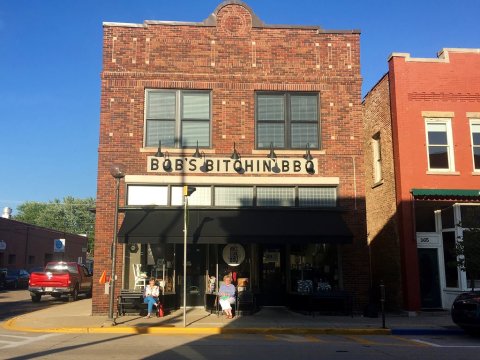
(60,278)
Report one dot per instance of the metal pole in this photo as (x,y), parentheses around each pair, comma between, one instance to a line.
(114,253)
(382,300)
(185,262)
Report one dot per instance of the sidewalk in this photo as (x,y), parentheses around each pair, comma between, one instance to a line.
(76,317)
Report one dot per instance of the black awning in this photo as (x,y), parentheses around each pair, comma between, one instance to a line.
(221,226)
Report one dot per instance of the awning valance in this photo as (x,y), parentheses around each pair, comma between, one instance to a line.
(221,226)
(446,193)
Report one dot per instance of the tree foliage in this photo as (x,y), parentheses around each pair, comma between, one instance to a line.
(468,251)
(468,245)
(71,215)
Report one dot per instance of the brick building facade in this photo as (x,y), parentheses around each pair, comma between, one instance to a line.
(422,124)
(26,246)
(233,83)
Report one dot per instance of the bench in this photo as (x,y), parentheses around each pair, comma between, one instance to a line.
(131,302)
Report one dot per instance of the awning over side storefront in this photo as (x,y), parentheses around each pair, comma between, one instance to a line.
(221,226)
(446,194)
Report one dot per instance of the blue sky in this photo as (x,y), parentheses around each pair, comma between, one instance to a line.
(50,64)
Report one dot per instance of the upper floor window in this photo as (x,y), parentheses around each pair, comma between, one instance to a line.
(377,158)
(177,118)
(439,144)
(287,120)
(475,130)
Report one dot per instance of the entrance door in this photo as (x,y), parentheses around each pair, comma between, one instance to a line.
(273,283)
(429,278)
(195,274)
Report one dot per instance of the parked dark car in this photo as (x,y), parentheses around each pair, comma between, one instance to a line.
(16,278)
(3,275)
(466,311)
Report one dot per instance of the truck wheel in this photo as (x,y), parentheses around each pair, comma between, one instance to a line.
(74,295)
(36,297)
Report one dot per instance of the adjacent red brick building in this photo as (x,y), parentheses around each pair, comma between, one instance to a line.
(26,246)
(210,105)
(422,151)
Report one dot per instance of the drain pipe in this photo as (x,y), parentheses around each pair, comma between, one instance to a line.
(354,183)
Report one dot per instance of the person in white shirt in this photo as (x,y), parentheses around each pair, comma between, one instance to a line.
(150,296)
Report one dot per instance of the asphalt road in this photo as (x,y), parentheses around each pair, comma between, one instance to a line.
(74,346)
(22,345)
(18,302)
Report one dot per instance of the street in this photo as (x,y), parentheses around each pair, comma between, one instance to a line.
(17,302)
(26,345)
(74,346)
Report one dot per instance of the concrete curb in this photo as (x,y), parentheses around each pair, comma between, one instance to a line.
(428,331)
(11,325)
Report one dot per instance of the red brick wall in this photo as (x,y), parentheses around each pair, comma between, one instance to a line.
(233,59)
(24,240)
(452,85)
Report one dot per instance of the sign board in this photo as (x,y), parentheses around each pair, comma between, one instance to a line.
(428,240)
(190,165)
(233,254)
(59,245)
(3,245)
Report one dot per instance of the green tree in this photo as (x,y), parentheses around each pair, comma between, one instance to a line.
(468,246)
(71,215)
(468,252)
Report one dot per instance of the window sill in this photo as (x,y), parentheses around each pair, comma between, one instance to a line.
(287,152)
(476,173)
(443,173)
(177,151)
(377,184)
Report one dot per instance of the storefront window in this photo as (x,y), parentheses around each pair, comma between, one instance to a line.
(201,197)
(275,196)
(450,259)
(233,196)
(143,261)
(470,216)
(313,267)
(317,196)
(448,221)
(147,195)
(471,241)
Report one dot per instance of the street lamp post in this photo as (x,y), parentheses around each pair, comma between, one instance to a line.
(118,172)
(187,191)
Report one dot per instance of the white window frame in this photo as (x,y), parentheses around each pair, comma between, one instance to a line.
(178,116)
(377,158)
(474,122)
(450,152)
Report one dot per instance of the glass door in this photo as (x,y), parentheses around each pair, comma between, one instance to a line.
(196,265)
(429,278)
(273,282)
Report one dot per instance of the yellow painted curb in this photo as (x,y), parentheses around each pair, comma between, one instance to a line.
(139,330)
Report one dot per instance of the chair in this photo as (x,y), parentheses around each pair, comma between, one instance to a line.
(245,303)
(140,278)
(219,309)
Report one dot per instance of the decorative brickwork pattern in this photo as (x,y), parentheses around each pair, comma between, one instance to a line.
(233,55)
